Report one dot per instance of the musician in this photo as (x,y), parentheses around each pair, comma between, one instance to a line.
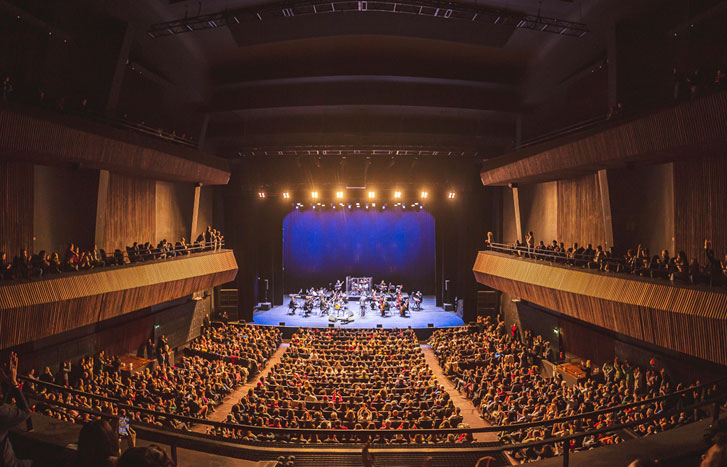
(404,308)
(339,284)
(292,306)
(308,307)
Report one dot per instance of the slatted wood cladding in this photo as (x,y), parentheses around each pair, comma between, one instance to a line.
(37,309)
(692,127)
(130,211)
(16,207)
(685,319)
(580,218)
(52,139)
(700,198)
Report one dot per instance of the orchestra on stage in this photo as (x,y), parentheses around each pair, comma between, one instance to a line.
(333,301)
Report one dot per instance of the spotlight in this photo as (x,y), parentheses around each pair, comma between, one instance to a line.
(372,194)
(451,195)
(314,195)
(367,206)
(373,205)
(383,208)
(261,194)
(397,194)
(286,195)
(425,195)
(349,206)
(421,207)
(339,194)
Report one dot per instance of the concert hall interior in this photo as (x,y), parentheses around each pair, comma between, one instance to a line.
(418,233)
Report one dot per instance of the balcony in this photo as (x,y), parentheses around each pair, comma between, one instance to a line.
(32,310)
(684,318)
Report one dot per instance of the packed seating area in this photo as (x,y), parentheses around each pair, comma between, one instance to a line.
(346,379)
(42,264)
(249,347)
(193,386)
(637,261)
(500,373)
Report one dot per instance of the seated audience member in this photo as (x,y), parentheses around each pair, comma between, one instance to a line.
(713,271)
(22,268)
(149,456)
(5,266)
(11,415)
(98,445)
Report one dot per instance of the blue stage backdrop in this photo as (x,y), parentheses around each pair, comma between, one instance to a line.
(320,246)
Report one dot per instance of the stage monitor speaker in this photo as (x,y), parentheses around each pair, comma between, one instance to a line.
(266,306)
(282,323)
(430,325)
(448,307)
(379,326)
(331,325)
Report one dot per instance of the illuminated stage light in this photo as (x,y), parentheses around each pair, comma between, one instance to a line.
(314,195)
(425,195)
(452,194)
(421,207)
(339,195)
(372,194)
(373,205)
(286,195)
(397,194)
(261,194)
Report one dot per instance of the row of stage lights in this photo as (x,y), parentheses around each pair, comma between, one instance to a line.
(358,205)
(371,196)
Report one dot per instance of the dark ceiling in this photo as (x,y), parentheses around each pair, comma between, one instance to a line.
(355,78)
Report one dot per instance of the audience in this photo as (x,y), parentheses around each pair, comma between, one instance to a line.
(639,262)
(250,347)
(346,379)
(26,266)
(501,374)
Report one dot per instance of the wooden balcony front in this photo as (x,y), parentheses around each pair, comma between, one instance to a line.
(32,310)
(683,318)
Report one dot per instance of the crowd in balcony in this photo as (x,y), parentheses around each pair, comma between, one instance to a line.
(42,264)
(348,379)
(637,261)
(499,370)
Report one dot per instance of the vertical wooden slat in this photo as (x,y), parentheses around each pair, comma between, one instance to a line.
(16,207)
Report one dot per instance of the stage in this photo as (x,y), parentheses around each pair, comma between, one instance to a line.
(430,313)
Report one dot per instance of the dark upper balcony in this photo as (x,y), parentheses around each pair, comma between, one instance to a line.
(34,309)
(686,318)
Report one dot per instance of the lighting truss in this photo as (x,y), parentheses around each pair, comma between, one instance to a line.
(355,151)
(429,8)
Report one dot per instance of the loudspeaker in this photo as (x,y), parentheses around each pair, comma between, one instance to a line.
(331,325)
(282,323)
(430,325)
(448,307)
(379,326)
(266,306)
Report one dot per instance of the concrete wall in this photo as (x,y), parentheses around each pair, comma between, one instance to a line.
(64,207)
(642,207)
(206,210)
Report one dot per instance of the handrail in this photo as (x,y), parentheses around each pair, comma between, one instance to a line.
(488,429)
(175,438)
(155,253)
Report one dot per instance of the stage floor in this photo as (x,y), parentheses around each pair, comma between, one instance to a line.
(430,313)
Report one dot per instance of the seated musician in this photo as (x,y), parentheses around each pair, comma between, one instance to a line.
(404,308)
(291,306)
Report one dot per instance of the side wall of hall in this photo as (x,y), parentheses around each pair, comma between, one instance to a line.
(179,320)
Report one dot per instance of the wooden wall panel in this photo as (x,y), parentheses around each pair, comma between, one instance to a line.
(37,309)
(131,211)
(579,215)
(693,127)
(700,197)
(16,207)
(52,139)
(690,320)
